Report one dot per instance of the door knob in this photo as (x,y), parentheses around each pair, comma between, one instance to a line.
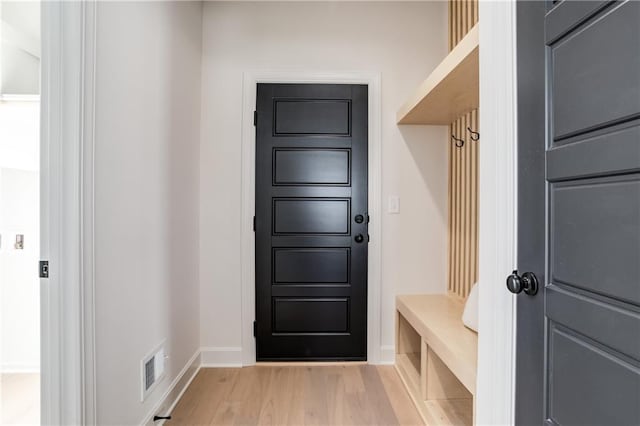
(528,282)
(359,238)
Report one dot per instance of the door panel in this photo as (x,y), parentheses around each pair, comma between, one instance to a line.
(310,216)
(595,65)
(565,17)
(595,317)
(313,315)
(609,151)
(312,117)
(330,265)
(588,385)
(578,339)
(311,227)
(594,235)
(311,167)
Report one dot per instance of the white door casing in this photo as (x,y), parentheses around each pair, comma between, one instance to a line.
(251,79)
(68,55)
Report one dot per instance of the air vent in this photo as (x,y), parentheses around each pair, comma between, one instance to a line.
(152,370)
(149,373)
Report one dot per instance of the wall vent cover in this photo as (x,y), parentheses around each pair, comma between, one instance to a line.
(152,370)
(149,373)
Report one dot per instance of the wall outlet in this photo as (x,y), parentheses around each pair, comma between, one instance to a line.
(152,370)
(394,204)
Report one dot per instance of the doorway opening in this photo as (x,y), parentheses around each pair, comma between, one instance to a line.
(19,212)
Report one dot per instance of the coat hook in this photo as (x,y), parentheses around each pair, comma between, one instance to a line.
(459,142)
(474,135)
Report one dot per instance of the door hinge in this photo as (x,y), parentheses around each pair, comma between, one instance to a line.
(255,328)
(255,118)
(44,269)
(254,224)
(368,219)
(368,238)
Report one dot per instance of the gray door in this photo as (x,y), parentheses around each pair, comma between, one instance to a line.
(578,337)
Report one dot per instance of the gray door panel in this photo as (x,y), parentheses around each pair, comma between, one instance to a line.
(578,339)
(606,321)
(589,385)
(609,151)
(594,235)
(568,14)
(596,66)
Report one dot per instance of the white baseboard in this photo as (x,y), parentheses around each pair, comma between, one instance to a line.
(387,355)
(221,357)
(19,368)
(170,399)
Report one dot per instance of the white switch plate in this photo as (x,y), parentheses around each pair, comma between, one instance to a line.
(394,204)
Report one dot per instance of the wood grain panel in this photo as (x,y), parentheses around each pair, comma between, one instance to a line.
(463,173)
(463,15)
(463,207)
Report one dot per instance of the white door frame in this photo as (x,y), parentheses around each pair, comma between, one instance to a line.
(251,79)
(67,70)
(498,213)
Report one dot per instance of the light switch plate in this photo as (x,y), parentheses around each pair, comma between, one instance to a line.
(394,204)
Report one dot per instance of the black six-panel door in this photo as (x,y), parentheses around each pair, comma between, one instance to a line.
(311,222)
(578,338)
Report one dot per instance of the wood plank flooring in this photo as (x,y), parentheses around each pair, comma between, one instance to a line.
(296,395)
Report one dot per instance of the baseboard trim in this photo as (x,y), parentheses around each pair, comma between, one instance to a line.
(180,384)
(19,369)
(221,357)
(387,355)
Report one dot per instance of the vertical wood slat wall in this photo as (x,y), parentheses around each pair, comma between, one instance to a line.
(463,173)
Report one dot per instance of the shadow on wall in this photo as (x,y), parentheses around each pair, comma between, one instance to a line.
(419,139)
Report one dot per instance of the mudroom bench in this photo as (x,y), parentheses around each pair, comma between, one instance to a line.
(436,357)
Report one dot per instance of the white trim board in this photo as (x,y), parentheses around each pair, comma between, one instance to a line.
(251,79)
(221,357)
(495,396)
(4,97)
(19,369)
(66,155)
(174,392)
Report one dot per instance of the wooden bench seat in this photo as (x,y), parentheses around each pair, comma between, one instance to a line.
(436,357)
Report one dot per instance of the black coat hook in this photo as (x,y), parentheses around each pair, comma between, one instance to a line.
(459,142)
(474,135)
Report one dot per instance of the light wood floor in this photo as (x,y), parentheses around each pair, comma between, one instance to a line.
(292,395)
(20,399)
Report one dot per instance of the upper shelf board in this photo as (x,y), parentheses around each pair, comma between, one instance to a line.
(450,91)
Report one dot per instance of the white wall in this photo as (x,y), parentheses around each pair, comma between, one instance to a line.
(20,47)
(402,41)
(19,283)
(20,135)
(19,214)
(146,197)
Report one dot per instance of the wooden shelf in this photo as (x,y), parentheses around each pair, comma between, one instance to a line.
(450,91)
